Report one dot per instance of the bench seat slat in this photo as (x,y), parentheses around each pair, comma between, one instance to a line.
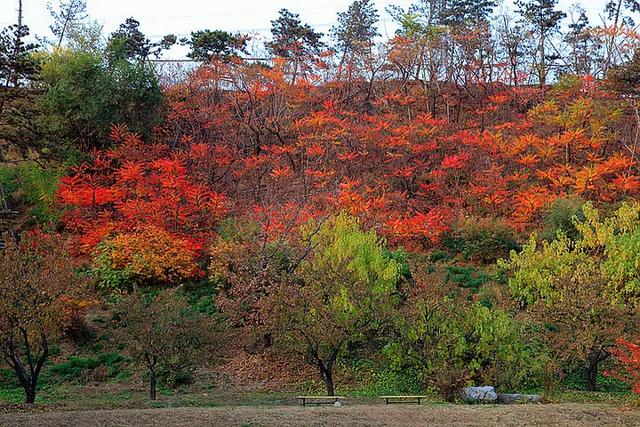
(321,397)
(403,397)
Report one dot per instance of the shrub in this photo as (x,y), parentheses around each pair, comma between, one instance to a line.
(627,354)
(147,256)
(452,341)
(483,240)
(105,365)
(560,217)
(74,367)
(467,277)
(33,187)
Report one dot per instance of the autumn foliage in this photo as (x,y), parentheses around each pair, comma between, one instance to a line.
(137,184)
(457,204)
(627,354)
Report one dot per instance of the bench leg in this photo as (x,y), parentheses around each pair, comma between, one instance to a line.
(304,403)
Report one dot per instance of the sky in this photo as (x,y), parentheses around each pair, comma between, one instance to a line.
(180,17)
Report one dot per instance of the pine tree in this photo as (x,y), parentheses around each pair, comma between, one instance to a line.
(356,29)
(292,38)
(543,18)
(208,44)
(66,17)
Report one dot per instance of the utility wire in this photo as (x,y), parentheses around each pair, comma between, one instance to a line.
(337,7)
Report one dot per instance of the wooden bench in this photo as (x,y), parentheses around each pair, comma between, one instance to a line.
(402,399)
(320,400)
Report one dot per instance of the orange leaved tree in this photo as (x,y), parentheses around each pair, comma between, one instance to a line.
(39,293)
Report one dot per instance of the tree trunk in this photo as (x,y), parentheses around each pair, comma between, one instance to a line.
(595,357)
(153,386)
(30,393)
(543,69)
(326,372)
(592,373)
(28,384)
(27,373)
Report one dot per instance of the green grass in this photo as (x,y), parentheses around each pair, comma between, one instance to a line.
(361,379)
(73,368)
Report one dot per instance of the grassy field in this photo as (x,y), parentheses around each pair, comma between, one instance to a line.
(213,400)
(100,387)
(348,415)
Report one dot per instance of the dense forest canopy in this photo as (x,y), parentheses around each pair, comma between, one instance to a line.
(459,201)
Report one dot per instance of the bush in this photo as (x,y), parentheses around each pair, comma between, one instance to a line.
(85,96)
(627,354)
(560,218)
(467,277)
(483,240)
(85,369)
(74,367)
(33,187)
(146,256)
(451,341)
(376,377)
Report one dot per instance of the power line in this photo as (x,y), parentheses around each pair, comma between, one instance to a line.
(274,12)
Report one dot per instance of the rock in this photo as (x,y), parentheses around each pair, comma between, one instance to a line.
(337,404)
(486,394)
(518,398)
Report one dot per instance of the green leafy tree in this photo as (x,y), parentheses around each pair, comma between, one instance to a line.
(343,290)
(85,97)
(452,341)
(583,293)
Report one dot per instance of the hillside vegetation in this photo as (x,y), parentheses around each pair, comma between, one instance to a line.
(457,205)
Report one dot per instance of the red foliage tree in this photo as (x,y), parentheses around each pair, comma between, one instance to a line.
(136,185)
(627,354)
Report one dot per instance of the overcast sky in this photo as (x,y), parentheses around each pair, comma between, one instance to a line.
(180,17)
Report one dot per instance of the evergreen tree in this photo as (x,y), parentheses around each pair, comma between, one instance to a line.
(131,44)
(208,44)
(66,17)
(356,28)
(467,13)
(543,17)
(582,44)
(18,69)
(292,38)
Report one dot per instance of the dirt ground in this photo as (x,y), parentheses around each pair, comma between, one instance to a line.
(355,415)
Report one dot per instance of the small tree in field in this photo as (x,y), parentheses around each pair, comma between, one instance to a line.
(340,293)
(39,291)
(583,293)
(163,334)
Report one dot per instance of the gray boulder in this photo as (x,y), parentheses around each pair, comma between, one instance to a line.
(518,398)
(485,394)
